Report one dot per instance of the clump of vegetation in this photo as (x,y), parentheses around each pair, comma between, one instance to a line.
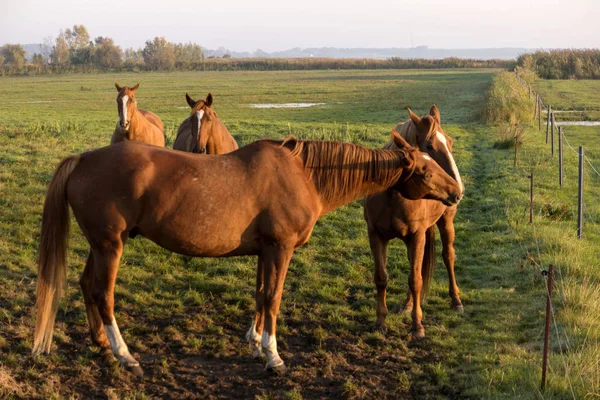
(563,64)
(509,107)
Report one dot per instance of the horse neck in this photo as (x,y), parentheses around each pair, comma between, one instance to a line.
(217,138)
(136,123)
(352,172)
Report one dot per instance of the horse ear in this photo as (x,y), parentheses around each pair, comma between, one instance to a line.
(400,142)
(190,101)
(118,87)
(435,113)
(135,88)
(209,100)
(414,117)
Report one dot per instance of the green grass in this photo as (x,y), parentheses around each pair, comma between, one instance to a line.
(186,317)
(571,95)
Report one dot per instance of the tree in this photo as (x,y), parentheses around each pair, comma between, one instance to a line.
(159,54)
(38,59)
(14,54)
(107,54)
(187,54)
(60,53)
(77,38)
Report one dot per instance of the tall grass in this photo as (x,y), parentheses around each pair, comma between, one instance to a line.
(563,63)
(509,108)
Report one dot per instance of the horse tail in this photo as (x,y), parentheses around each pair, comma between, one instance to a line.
(52,254)
(428,261)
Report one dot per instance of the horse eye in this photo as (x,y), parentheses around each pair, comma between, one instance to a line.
(429,146)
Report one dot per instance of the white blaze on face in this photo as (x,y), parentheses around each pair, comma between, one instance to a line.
(426,157)
(124,110)
(269,345)
(199,114)
(117,344)
(442,140)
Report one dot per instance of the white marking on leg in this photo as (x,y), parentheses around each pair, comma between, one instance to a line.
(269,345)
(124,99)
(253,339)
(118,346)
(442,139)
(199,114)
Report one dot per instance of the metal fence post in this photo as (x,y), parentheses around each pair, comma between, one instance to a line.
(560,157)
(580,197)
(552,132)
(531,198)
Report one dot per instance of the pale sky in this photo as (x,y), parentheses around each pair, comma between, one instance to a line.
(273,25)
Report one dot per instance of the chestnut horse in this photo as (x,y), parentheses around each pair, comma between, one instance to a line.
(203,132)
(391,215)
(136,124)
(263,199)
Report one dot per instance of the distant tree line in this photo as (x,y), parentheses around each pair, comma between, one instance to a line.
(74,51)
(562,64)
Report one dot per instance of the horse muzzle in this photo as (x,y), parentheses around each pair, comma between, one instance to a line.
(124,125)
(452,199)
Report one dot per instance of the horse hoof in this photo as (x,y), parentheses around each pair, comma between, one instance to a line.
(459,308)
(107,355)
(257,355)
(136,370)
(418,334)
(381,328)
(277,370)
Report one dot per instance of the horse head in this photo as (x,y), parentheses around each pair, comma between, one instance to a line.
(431,139)
(126,104)
(201,117)
(422,177)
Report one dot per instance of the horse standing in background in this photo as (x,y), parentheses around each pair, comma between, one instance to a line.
(203,132)
(263,199)
(391,215)
(135,124)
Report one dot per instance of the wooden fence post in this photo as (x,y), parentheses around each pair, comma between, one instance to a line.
(580,197)
(550,274)
(539,113)
(516,145)
(560,157)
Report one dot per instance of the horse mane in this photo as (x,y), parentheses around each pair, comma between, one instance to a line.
(408,130)
(341,170)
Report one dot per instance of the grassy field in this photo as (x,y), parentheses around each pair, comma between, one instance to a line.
(185,318)
(571,95)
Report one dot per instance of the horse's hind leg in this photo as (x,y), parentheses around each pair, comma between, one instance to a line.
(254,333)
(446,227)
(379,252)
(106,264)
(96,325)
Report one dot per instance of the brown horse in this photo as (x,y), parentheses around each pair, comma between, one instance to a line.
(263,199)
(136,124)
(203,132)
(391,215)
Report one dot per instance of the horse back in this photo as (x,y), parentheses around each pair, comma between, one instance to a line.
(153,119)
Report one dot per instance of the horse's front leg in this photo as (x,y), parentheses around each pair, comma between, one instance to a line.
(254,333)
(415,281)
(379,252)
(446,227)
(276,260)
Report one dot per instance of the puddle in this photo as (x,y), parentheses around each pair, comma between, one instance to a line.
(286,105)
(580,123)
